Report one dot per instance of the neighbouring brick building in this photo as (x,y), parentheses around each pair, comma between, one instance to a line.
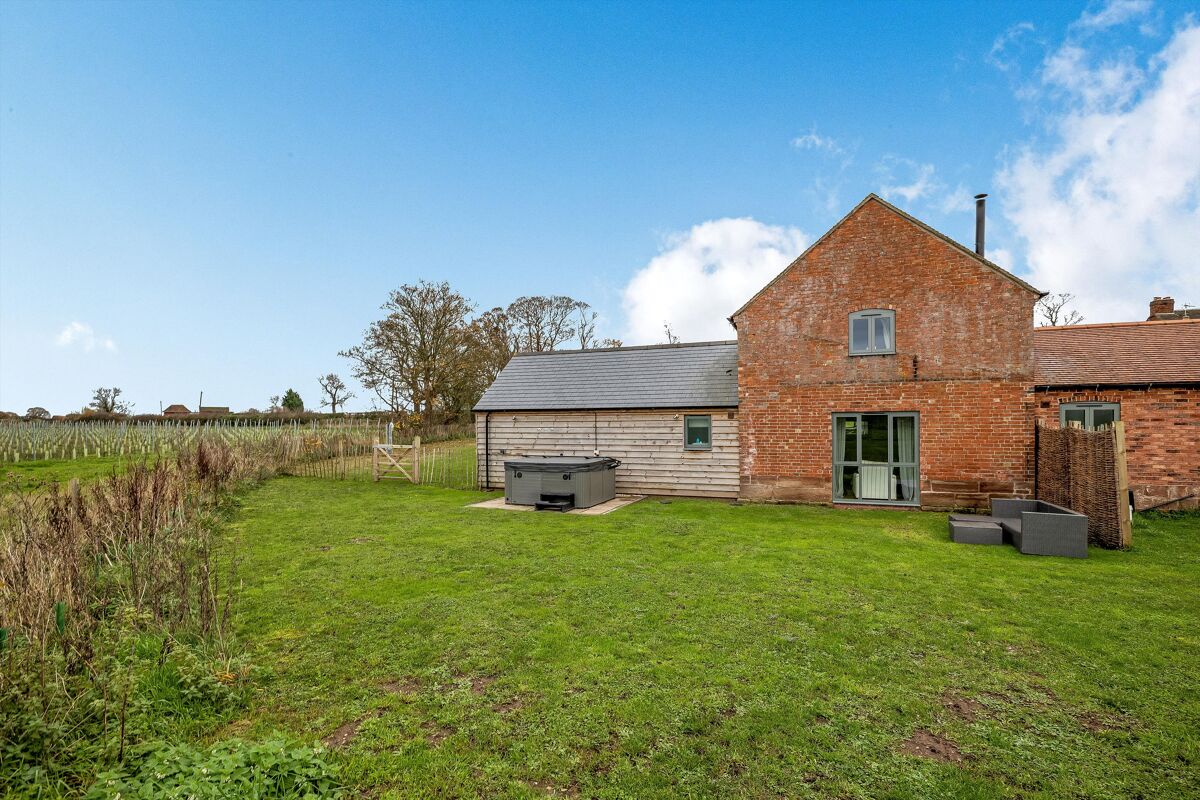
(888,364)
(1145,373)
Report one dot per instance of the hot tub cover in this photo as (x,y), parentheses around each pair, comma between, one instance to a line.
(563,463)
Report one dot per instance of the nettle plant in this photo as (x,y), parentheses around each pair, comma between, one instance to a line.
(230,769)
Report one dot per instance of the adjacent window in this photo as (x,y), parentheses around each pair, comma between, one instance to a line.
(872,332)
(697,432)
(1089,416)
(875,458)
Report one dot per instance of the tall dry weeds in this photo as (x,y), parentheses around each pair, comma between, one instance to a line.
(141,540)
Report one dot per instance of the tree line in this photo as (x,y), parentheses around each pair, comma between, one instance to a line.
(432,356)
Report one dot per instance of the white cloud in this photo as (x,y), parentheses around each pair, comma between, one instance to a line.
(1113,13)
(958,200)
(1002,257)
(999,56)
(905,178)
(80,334)
(702,276)
(1108,207)
(814,141)
(1114,82)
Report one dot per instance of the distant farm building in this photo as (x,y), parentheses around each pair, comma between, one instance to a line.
(176,410)
(214,410)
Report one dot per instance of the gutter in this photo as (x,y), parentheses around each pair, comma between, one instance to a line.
(1101,387)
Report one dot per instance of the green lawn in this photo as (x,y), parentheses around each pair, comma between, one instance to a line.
(702,649)
(37,474)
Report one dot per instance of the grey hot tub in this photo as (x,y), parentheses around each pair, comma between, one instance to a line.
(551,479)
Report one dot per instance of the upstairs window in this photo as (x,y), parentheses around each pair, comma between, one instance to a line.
(697,432)
(872,332)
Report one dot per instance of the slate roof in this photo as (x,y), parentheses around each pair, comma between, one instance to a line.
(694,375)
(1119,353)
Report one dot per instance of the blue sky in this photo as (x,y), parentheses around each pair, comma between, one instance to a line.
(217,197)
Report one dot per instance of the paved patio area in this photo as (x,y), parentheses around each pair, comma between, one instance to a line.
(596,510)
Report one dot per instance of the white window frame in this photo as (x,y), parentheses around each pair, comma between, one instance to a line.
(871,314)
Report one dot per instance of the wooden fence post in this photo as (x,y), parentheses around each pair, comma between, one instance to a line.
(375,459)
(1123,521)
(416,448)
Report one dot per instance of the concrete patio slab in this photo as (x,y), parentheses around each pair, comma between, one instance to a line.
(596,510)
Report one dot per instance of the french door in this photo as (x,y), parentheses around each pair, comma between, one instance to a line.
(876,458)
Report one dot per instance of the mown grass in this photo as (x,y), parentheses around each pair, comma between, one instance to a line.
(702,649)
(38,474)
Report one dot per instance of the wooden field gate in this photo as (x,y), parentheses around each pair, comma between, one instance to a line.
(401,461)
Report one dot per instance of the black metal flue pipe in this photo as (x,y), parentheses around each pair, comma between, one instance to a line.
(980,202)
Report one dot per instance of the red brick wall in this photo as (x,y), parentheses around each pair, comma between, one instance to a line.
(1162,437)
(964,356)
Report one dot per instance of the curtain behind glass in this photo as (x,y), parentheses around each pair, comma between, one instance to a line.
(839,444)
(904,449)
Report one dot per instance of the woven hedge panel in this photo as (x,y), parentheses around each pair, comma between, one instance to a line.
(1079,469)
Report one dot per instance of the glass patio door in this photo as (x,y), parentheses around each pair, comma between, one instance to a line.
(875,458)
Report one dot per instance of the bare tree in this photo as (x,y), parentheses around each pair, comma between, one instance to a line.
(105,401)
(412,356)
(541,324)
(670,334)
(585,327)
(335,392)
(275,402)
(1053,309)
(585,331)
(37,412)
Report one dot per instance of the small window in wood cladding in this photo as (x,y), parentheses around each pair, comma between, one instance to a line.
(697,432)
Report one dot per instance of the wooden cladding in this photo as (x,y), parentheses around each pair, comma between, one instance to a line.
(649,445)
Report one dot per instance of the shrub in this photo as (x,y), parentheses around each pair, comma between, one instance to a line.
(116,620)
(232,769)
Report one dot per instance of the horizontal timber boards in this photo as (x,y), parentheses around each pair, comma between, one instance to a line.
(649,445)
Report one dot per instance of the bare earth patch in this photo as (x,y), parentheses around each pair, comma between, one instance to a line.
(516,704)
(550,790)
(924,744)
(964,708)
(436,734)
(480,684)
(402,686)
(344,734)
(1098,723)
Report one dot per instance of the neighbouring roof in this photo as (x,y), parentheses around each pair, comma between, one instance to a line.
(1118,353)
(694,375)
(909,217)
(177,408)
(1179,313)
(214,409)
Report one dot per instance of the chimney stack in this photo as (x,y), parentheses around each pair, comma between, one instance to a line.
(1161,305)
(980,202)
